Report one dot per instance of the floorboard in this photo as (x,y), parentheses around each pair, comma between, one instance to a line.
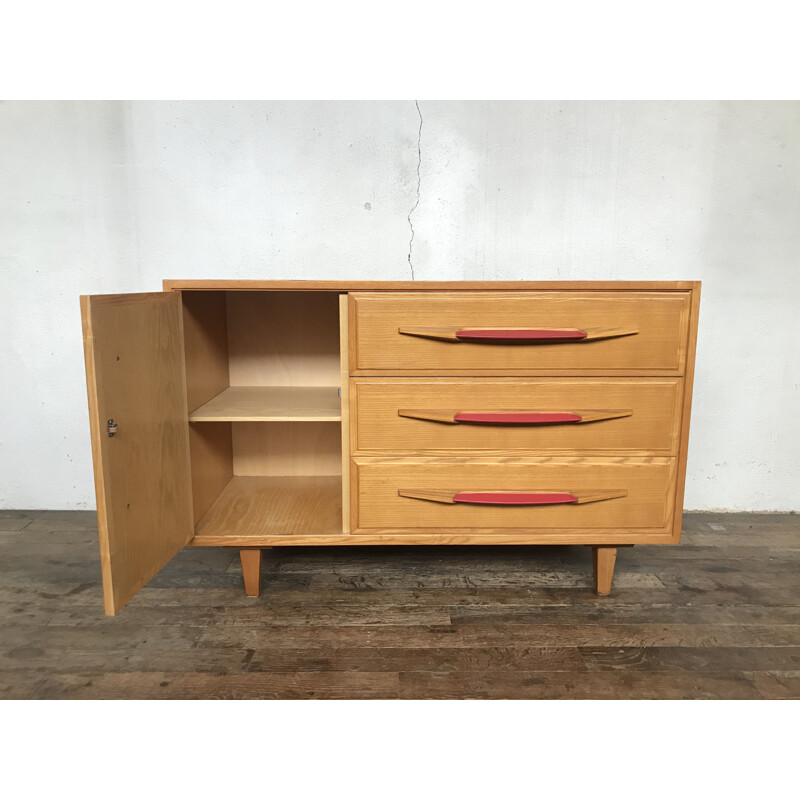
(716,618)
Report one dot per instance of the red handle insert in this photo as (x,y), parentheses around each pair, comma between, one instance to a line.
(515,498)
(517,417)
(521,334)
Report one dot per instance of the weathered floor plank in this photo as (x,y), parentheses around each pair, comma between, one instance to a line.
(591,686)
(716,617)
(196,686)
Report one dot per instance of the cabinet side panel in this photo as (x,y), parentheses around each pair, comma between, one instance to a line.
(344,391)
(683,452)
(205,345)
(211,449)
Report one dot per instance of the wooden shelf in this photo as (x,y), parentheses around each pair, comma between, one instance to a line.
(251,509)
(272,404)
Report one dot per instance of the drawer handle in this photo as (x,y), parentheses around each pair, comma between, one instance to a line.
(512,417)
(515,498)
(518,335)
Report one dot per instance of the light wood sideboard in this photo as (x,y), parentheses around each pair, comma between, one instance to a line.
(255,414)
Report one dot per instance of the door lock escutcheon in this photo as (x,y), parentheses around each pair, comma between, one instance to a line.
(112,428)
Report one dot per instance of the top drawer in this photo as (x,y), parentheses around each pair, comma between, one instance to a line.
(519,333)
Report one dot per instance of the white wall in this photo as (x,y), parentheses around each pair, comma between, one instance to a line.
(113,197)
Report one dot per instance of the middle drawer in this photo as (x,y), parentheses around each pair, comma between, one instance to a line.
(632,416)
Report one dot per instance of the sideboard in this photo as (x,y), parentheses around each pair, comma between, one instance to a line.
(255,414)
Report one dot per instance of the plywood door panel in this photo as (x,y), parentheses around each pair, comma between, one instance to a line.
(391,339)
(135,375)
(641,492)
(400,415)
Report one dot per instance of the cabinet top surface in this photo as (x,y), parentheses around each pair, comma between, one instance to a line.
(421,286)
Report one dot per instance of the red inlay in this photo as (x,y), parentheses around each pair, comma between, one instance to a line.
(517,417)
(515,498)
(529,334)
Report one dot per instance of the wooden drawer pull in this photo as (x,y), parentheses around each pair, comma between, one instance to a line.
(500,498)
(512,417)
(519,335)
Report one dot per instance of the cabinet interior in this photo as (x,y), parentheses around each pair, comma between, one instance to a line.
(263,374)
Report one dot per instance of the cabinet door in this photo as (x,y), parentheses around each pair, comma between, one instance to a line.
(135,377)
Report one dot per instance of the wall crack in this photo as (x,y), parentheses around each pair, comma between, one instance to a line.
(419,183)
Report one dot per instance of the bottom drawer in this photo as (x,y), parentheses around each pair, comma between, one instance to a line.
(477,495)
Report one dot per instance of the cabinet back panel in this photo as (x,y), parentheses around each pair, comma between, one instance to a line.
(283,338)
(287,448)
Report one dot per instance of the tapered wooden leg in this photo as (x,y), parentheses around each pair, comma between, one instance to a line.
(251,570)
(603,559)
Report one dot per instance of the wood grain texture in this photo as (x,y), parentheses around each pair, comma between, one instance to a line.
(381,408)
(645,509)
(717,618)
(276,506)
(659,347)
(135,375)
(272,404)
(286,339)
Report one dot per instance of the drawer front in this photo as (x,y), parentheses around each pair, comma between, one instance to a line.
(592,415)
(486,496)
(523,333)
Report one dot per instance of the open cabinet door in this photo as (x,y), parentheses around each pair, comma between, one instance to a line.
(135,377)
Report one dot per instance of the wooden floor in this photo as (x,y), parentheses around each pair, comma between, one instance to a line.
(717,617)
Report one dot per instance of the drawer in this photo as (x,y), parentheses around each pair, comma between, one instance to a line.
(555,494)
(521,333)
(591,415)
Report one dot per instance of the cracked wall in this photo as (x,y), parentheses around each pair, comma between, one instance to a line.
(113,197)
(419,184)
